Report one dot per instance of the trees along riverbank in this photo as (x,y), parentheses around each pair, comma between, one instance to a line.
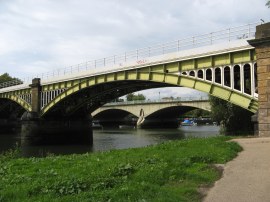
(233,119)
(171,171)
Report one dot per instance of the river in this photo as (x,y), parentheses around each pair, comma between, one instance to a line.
(108,139)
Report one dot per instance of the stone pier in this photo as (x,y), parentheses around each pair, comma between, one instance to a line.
(262,48)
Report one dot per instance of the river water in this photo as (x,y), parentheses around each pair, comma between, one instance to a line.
(108,139)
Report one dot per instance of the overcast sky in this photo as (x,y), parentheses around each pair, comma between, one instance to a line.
(41,35)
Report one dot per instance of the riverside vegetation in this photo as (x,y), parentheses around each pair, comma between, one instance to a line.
(171,171)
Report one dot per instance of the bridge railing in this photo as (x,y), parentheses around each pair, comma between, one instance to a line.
(140,56)
(180,99)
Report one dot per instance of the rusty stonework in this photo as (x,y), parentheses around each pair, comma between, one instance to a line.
(262,48)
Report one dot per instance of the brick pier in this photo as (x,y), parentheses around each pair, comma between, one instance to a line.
(262,48)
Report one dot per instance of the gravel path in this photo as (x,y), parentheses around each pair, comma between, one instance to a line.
(247,177)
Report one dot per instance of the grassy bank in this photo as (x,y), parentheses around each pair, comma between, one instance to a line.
(171,171)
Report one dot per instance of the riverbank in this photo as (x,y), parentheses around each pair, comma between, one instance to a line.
(172,171)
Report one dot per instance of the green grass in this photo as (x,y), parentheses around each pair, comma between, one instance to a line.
(171,171)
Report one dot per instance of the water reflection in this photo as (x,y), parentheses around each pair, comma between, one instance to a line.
(108,139)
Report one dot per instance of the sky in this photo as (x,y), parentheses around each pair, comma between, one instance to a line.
(38,36)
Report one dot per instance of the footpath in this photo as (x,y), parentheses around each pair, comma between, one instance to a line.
(247,177)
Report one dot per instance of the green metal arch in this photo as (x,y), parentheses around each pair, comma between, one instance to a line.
(18,100)
(227,94)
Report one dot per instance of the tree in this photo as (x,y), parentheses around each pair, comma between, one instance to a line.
(268,3)
(233,118)
(5,77)
(133,97)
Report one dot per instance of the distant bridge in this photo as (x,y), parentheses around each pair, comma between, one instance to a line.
(150,113)
(152,106)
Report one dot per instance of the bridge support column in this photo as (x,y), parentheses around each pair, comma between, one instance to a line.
(38,131)
(36,95)
(262,48)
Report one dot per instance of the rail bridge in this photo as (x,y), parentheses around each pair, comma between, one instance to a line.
(222,64)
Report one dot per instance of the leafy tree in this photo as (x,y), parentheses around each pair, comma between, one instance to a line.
(233,119)
(5,77)
(268,4)
(133,97)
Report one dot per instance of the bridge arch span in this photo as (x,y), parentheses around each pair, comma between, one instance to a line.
(121,113)
(16,99)
(171,112)
(220,81)
(9,108)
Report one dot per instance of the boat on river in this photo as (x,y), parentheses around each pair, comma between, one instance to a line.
(188,122)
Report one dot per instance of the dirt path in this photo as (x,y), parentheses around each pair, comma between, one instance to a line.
(247,177)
